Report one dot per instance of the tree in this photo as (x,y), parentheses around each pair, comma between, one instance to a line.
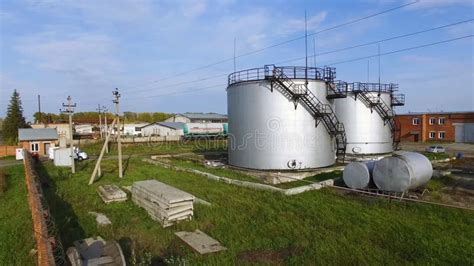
(14,119)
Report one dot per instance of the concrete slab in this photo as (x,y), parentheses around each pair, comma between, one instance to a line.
(95,251)
(111,193)
(166,193)
(164,203)
(203,202)
(101,218)
(200,242)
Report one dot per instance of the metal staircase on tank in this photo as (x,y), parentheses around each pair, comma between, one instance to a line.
(320,111)
(386,112)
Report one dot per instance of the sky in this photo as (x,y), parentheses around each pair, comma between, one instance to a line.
(162,54)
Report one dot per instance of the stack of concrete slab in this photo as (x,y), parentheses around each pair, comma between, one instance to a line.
(111,193)
(164,203)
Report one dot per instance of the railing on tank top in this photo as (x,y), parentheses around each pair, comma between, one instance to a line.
(293,72)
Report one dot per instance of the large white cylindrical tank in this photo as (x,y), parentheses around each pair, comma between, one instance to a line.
(358,175)
(267,132)
(366,131)
(402,172)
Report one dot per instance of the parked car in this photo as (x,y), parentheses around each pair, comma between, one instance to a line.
(80,155)
(436,149)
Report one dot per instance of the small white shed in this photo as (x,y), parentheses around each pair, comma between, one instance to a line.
(163,129)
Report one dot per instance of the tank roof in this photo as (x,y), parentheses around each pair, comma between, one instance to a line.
(292,72)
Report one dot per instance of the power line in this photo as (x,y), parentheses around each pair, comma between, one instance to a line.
(402,50)
(319,54)
(283,43)
(340,62)
(181,83)
(383,40)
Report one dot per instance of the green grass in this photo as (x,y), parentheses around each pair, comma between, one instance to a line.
(224,172)
(16,228)
(436,156)
(8,158)
(318,227)
(160,148)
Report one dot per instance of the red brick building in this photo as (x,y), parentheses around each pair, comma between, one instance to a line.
(439,127)
(37,140)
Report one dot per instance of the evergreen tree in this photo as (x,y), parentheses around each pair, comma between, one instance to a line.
(14,119)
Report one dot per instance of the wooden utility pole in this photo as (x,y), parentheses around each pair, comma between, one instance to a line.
(117,117)
(97,165)
(40,120)
(70,111)
(100,120)
(106,127)
(108,133)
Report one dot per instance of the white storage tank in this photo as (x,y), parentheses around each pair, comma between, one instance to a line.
(358,175)
(366,114)
(268,131)
(402,172)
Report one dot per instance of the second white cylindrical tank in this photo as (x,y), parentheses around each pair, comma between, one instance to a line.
(366,131)
(402,172)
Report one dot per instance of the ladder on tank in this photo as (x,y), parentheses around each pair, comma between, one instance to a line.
(383,109)
(320,111)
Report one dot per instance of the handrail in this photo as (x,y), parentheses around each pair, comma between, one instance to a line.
(398,99)
(343,87)
(293,72)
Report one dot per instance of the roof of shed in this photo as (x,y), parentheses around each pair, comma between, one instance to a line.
(210,116)
(173,125)
(25,134)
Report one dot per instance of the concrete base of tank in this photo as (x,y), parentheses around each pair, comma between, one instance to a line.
(267,176)
(365,157)
(278,177)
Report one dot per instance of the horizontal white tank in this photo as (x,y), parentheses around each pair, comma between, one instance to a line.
(402,172)
(204,128)
(358,175)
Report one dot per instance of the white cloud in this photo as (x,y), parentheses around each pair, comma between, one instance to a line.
(81,55)
(195,8)
(104,11)
(298,25)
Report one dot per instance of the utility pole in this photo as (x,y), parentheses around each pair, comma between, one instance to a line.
(40,120)
(306,48)
(100,121)
(117,117)
(70,111)
(106,127)
(368,71)
(101,155)
(378,45)
(314,51)
(234,56)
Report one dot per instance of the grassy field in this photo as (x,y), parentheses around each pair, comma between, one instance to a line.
(160,148)
(437,156)
(16,229)
(224,172)
(319,227)
(257,227)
